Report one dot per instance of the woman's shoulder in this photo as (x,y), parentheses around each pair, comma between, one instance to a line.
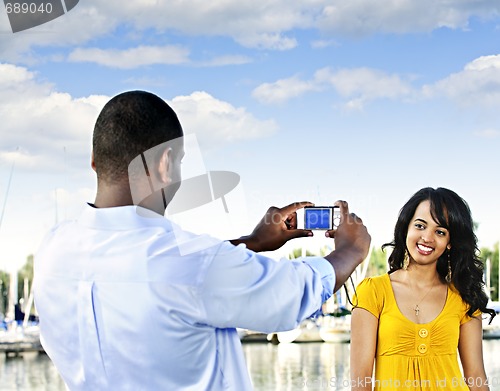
(455,299)
(380,279)
(372,293)
(375,282)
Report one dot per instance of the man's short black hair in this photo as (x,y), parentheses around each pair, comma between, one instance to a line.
(129,124)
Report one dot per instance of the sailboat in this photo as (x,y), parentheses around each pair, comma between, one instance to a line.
(20,335)
(336,324)
(333,326)
(17,335)
(308,331)
(491,331)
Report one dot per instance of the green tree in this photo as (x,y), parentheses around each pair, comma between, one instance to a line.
(321,252)
(25,273)
(4,291)
(378,263)
(296,253)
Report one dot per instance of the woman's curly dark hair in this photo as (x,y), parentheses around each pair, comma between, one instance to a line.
(450,211)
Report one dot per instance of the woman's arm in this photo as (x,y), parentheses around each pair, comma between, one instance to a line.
(470,347)
(364,326)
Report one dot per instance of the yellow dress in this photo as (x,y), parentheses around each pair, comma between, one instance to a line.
(409,355)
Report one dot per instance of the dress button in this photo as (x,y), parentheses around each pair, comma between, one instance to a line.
(422,348)
(423,333)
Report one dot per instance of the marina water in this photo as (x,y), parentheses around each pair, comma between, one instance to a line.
(283,367)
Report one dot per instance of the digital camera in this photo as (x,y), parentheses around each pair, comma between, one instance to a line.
(321,217)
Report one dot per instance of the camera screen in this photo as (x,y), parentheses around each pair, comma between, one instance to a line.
(317,218)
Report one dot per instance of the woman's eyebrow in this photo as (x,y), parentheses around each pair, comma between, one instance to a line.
(425,222)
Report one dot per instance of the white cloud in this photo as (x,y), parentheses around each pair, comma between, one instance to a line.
(133,57)
(45,124)
(362,17)
(84,23)
(42,122)
(484,62)
(321,44)
(247,22)
(264,23)
(258,24)
(39,120)
(252,23)
(477,85)
(364,84)
(283,90)
(226,60)
(12,75)
(217,122)
(357,85)
(488,133)
(273,41)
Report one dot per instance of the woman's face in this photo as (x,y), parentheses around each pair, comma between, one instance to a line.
(426,239)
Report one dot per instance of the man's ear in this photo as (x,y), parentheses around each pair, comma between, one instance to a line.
(164,166)
(92,162)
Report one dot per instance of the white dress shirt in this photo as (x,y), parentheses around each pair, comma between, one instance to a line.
(123,308)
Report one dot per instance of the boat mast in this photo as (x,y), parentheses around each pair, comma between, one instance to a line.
(1,220)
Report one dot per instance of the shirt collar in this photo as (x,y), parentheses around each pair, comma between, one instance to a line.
(121,218)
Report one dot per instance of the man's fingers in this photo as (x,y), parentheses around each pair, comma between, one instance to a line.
(291,221)
(292,208)
(330,233)
(345,217)
(344,209)
(298,233)
(351,218)
(356,218)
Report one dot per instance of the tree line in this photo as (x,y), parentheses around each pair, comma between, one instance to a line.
(377,265)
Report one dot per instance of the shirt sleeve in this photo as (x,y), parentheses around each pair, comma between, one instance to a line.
(466,317)
(248,290)
(367,297)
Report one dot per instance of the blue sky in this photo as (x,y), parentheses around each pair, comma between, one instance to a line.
(319,100)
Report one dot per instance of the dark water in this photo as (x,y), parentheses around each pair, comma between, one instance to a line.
(283,367)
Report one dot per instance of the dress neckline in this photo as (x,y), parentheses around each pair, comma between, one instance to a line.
(388,277)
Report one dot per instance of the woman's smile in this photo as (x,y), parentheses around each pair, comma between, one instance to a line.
(424,249)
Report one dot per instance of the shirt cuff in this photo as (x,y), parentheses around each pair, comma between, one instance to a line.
(327,272)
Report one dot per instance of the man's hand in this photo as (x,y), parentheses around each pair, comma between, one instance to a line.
(352,243)
(277,227)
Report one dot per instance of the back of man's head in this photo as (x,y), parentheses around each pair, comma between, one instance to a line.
(129,124)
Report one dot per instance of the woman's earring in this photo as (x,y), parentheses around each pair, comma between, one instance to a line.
(406,260)
(448,275)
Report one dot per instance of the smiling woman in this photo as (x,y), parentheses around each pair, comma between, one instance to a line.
(410,321)
(426,240)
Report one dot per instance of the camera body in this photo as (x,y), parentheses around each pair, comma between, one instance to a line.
(321,217)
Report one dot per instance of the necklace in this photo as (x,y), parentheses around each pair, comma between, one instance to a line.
(416,308)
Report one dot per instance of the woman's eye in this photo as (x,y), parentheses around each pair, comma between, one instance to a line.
(419,226)
(441,233)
